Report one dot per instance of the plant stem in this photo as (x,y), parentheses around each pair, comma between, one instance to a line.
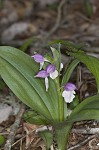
(62,133)
(60,101)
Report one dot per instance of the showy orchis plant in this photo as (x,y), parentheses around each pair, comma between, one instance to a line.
(39,83)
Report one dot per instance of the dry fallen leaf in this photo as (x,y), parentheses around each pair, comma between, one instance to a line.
(29,128)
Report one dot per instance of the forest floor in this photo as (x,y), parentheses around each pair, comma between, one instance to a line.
(45,21)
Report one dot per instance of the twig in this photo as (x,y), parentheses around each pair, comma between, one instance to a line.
(57,24)
(86,131)
(14,128)
(84,17)
(82,143)
(34,130)
(93,144)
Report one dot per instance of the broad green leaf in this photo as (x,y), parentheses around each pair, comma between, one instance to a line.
(47,136)
(69,71)
(87,114)
(91,62)
(18,70)
(34,118)
(88,109)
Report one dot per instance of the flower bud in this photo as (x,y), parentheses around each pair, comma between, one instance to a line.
(38,58)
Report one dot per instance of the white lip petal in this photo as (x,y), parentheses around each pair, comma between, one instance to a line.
(46,84)
(54,74)
(68,96)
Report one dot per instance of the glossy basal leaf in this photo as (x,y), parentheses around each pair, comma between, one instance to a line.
(22,88)
(91,62)
(18,71)
(34,118)
(69,71)
(87,114)
(88,109)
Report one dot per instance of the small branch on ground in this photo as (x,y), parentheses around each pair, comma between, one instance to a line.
(14,128)
(58,20)
(82,143)
(86,131)
(84,17)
